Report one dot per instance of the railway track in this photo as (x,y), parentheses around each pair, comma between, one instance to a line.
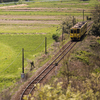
(89,25)
(57,58)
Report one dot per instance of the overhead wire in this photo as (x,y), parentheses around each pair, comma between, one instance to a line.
(11,63)
(35,48)
(19,54)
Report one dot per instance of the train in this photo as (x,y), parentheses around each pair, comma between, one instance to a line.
(78,30)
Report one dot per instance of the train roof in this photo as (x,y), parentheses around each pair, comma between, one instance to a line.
(79,25)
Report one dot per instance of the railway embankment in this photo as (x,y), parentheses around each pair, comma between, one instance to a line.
(79,72)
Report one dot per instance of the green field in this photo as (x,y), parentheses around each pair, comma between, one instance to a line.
(11,54)
(26,27)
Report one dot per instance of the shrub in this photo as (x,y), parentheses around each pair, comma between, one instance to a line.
(96,29)
(55,37)
(96,18)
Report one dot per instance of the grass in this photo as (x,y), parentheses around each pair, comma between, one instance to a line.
(98,41)
(28,29)
(64,4)
(83,56)
(11,46)
(48,13)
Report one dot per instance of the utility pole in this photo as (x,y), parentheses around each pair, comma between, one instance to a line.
(62,32)
(22,60)
(45,45)
(22,75)
(83,14)
(73,20)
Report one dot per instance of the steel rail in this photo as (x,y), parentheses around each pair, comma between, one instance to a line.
(44,70)
(53,66)
(88,27)
(66,52)
(58,61)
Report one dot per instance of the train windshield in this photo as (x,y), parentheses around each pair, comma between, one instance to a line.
(78,30)
(74,31)
(71,30)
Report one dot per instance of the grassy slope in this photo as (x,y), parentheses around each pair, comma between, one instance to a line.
(11,46)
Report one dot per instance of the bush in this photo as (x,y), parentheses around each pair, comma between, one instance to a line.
(96,29)
(55,37)
(96,18)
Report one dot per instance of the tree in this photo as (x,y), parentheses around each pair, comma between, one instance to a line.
(96,13)
(1,1)
(96,18)
(68,23)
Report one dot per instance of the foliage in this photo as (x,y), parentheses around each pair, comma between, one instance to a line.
(67,24)
(55,37)
(83,56)
(51,92)
(96,13)
(20,1)
(96,29)
(96,18)
(1,1)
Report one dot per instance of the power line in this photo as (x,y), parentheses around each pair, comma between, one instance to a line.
(19,54)
(11,63)
(36,48)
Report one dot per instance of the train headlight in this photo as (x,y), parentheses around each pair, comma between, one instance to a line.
(71,34)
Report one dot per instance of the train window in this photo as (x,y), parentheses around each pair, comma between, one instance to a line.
(78,30)
(74,31)
(71,30)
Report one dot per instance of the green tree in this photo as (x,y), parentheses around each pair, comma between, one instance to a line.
(68,23)
(96,18)
(1,1)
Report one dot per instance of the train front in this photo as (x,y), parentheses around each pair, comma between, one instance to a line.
(75,33)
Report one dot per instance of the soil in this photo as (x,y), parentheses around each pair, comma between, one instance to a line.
(13,6)
(28,22)
(28,17)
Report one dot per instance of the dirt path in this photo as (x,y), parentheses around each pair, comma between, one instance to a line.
(29,17)
(28,22)
(13,6)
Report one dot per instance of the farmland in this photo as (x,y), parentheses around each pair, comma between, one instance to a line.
(26,27)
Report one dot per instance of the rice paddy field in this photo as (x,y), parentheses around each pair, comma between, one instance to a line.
(26,26)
